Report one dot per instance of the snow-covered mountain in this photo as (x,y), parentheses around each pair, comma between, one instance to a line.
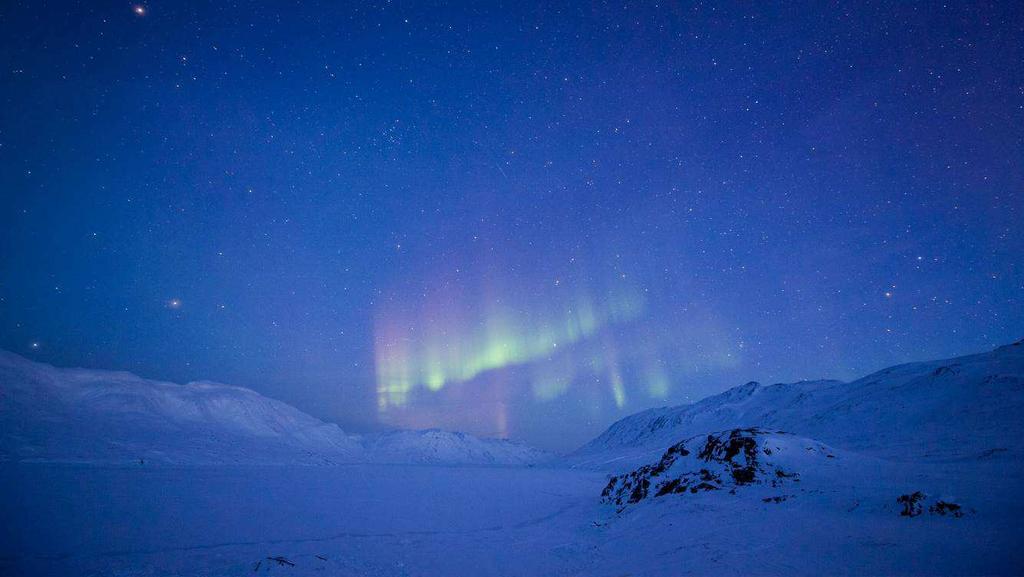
(445,447)
(917,458)
(963,408)
(79,415)
(911,471)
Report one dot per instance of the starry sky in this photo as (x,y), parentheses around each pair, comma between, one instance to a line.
(517,220)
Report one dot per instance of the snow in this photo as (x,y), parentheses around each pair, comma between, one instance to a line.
(436,446)
(221,520)
(963,408)
(735,460)
(804,479)
(89,416)
(404,520)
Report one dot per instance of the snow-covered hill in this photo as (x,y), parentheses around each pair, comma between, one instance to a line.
(759,466)
(79,415)
(901,473)
(445,447)
(917,458)
(962,408)
(724,461)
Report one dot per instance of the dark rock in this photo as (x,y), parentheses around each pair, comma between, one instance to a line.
(729,460)
(946,508)
(911,504)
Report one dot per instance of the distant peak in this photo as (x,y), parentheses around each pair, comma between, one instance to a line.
(1012,347)
(743,390)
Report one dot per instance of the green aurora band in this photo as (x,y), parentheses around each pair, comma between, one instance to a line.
(427,352)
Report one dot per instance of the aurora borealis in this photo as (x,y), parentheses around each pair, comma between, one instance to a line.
(439,347)
(516,220)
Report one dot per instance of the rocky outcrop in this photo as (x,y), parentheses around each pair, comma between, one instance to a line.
(722,461)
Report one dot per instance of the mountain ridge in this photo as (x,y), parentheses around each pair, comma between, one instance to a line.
(56,414)
(941,409)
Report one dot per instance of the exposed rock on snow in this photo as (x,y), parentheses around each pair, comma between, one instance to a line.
(913,505)
(727,460)
(774,503)
(848,445)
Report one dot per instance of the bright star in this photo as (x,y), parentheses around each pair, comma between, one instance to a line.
(139,9)
(174,304)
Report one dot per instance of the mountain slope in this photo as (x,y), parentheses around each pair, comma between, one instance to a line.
(445,447)
(78,415)
(962,408)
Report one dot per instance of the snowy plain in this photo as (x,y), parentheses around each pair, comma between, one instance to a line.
(947,431)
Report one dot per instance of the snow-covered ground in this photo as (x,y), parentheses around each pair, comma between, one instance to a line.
(429,520)
(914,470)
(224,520)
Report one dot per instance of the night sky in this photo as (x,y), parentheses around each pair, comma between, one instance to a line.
(512,220)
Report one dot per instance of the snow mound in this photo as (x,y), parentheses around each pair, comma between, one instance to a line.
(722,461)
(956,409)
(92,416)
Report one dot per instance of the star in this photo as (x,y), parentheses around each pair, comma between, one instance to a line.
(174,304)
(139,10)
